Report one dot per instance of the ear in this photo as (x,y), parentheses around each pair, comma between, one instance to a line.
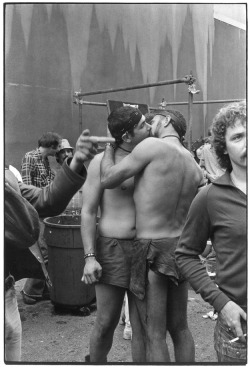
(126,137)
(167,120)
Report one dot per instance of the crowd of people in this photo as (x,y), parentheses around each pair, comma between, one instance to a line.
(156,208)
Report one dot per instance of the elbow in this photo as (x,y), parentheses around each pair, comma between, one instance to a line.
(106,184)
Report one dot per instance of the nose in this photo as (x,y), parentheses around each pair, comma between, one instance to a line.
(149,127)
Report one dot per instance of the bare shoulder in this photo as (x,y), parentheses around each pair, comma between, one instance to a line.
(146,144)
(96,161)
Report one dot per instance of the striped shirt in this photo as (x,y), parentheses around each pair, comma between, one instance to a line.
(36,169)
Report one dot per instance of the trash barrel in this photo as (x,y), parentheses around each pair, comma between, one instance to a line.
(66,262)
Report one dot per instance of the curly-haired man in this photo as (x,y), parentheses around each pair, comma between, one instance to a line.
(219,213)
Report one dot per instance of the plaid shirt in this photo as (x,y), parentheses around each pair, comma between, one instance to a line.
(36,170)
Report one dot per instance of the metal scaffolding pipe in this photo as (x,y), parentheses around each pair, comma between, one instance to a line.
(188,79)
(91,103)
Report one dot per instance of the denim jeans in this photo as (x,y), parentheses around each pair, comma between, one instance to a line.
(13,327)
(235,352)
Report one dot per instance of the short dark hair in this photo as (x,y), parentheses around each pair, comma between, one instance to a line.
(149,117)
(226,117)
(178,122)
(49,139)
(119,121)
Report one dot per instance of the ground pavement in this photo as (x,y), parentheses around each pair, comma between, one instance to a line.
(49,336)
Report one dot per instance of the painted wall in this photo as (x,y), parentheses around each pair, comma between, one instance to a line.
(53,50)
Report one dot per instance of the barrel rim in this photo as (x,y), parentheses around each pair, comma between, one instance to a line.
(59,226)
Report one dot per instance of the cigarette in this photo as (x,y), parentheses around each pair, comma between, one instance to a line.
(102,139)
(236,338)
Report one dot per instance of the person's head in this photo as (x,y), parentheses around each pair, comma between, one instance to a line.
(170,119)
(64,151)
(50,141)
(229,135)
(149,117)
(127,124)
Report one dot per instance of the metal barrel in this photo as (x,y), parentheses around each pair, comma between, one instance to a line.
(66,262)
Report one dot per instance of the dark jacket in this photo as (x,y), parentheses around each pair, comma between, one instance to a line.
(47,201)
(218,212)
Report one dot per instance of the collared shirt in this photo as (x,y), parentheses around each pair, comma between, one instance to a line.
(36,169)
(217,212)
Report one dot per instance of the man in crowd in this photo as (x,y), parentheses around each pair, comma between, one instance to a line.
(166,180)
(64,151)
(219,213)
(108,258)
(23,204)
(36,171)
(208,161)
(35,164)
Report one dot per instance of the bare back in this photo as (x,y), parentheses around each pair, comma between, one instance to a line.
(164,190)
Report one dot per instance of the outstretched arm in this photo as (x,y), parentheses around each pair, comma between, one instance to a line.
(52,200)
(86,149)
(114,174)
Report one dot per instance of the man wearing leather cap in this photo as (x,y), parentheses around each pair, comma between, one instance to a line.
(166,180)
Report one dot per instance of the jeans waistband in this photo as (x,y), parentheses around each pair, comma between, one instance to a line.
(9,282)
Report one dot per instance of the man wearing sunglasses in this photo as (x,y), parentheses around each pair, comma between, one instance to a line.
(108,255)
(166,180)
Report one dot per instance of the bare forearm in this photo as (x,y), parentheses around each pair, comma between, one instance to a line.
(92,270)
(88,232)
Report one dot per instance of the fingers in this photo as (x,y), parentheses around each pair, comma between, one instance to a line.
(235,325)
(95,139)
(91,276)
(239,333)
(89,279)
(86,132)
(244,315)
(88,145)
(238,330)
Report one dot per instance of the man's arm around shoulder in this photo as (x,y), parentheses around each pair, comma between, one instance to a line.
(113,174)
